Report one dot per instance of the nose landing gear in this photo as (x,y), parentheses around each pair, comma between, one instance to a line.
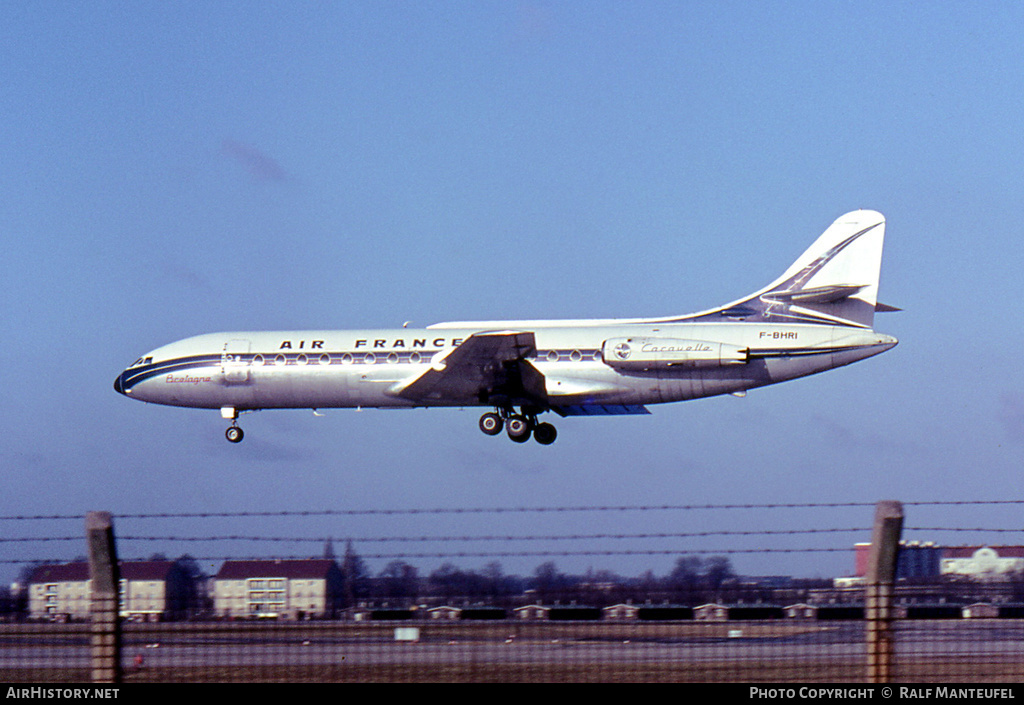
(518,427)
(234,434)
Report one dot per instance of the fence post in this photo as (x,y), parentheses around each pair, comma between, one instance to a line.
(103,603)
(879,589)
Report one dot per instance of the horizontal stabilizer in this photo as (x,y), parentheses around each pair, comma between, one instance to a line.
(817,295)
(886,308)
(600,410)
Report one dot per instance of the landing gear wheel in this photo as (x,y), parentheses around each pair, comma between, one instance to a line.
(518,428)
(545,434)
(234,434)
(490,423)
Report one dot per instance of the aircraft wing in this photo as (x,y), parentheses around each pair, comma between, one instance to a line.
(486,366)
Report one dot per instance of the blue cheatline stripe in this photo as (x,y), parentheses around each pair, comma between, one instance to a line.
(132,377)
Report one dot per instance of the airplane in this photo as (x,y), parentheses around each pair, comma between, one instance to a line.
(817,316)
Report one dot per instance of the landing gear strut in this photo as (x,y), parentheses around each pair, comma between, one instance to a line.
(518,427)
(234,434)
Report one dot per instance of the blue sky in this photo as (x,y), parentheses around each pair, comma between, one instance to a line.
(171,169)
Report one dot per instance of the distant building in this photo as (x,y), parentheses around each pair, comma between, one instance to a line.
(532,612)
(446,612)
(59,592)
(621,611)
(711,612)
(801,611)
(155,590)
(928,560)
(980,610)
(983,561)
(149,590)
(285,589)
(918,560)
(915,559)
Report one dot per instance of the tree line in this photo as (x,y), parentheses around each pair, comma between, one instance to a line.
(693,580)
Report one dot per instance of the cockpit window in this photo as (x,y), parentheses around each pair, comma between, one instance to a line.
(142,361)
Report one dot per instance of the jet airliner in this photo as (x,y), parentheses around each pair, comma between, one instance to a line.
(817,316)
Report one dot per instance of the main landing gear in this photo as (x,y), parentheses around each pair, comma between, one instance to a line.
(234,433)
(519,427)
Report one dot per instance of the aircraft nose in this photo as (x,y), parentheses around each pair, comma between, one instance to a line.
(118,387)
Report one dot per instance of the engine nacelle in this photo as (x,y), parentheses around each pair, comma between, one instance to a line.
(663,353)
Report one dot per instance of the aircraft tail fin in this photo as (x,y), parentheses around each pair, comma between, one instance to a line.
(834,281)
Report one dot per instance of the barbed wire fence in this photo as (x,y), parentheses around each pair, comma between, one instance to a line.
(680,621)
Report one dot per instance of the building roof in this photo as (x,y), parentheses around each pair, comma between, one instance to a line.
(79,571)
(146,570)
(292,569)
(969,551)
(63,573)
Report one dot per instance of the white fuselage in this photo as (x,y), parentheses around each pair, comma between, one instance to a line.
(368,368)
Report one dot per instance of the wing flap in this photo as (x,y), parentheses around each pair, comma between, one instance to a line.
(484,365)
